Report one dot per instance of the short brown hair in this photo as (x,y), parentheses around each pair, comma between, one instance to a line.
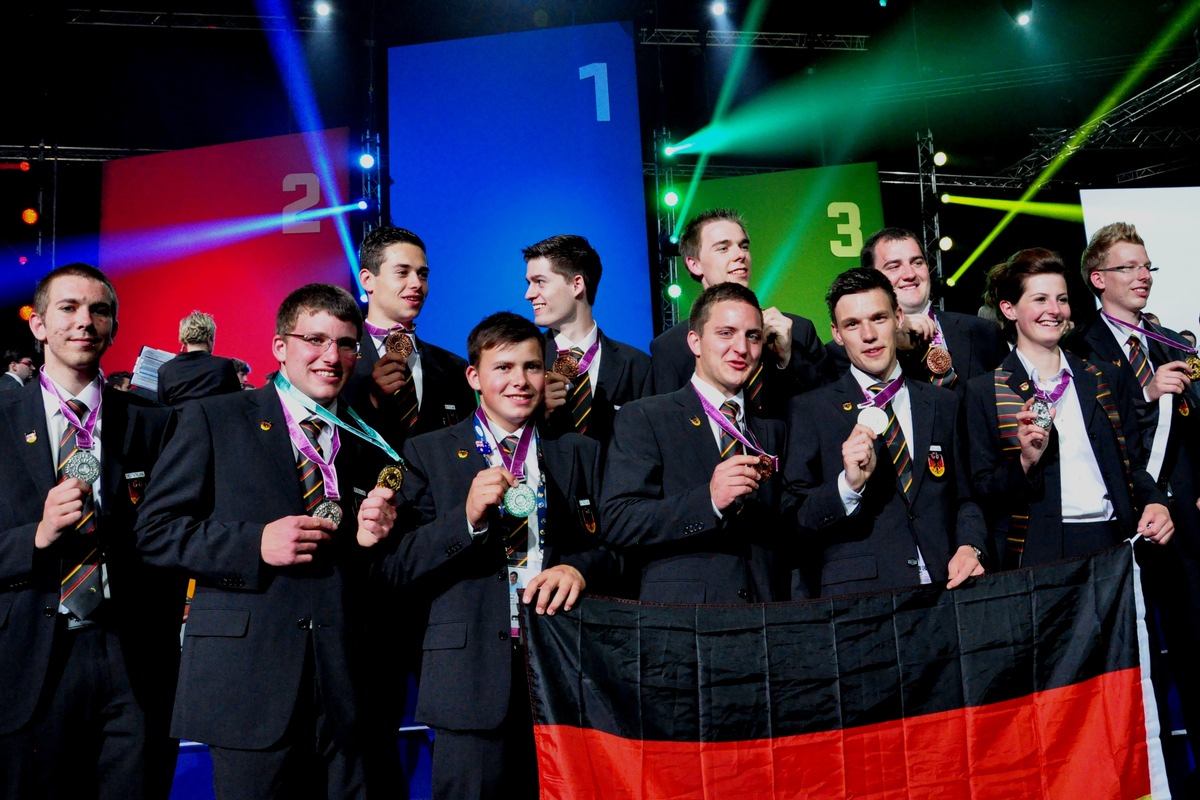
(1101,242)
(498,330)
(41,293)
(570,255)
(370,255)
(702,308)
(689,241)
(314,298)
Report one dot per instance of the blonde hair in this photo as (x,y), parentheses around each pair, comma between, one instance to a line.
(197,328)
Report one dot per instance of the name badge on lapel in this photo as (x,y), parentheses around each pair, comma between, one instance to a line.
(937,464)
(136,482)
(450,415)
(587,515)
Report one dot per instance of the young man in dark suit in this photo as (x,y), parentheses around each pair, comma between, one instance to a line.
(599,374)
(716,249)
(89,634)
(944,348)
(20,370)
(486,498)
(403,386)
(876,464)
(261,502)
(690,494)
(196,372)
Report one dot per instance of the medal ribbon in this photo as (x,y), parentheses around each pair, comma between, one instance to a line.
(588,357)
(363,430)
(716,416)
(938,339)
(85,430)
(1056,394)
(515,464)
(382,333)
(885,395)
(302,443)
(1156,336)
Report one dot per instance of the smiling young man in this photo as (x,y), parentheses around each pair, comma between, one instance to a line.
(484,499)
(402,385)
(689,488)
(261,503)
(944,348)
(89,635)
(589,376)
(875,462)
(716,249)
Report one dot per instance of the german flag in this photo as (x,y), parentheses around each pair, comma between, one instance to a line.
(1027,684)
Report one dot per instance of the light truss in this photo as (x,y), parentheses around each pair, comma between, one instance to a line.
(761,39)
(192,20)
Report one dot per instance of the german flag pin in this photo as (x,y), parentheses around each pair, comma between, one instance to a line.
(1184,409)
(847,406)
(463,453)
(31,437)
(265,425)
(1024,387)
(696,421)
(937,464)
(1116,362)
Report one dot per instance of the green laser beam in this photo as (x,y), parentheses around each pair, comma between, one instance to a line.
(1070,212)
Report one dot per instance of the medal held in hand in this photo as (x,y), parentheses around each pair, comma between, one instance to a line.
(520,501)
(874,418)
(1041,411)
(938,360)
(765,467)
(82,465)
(391,477)
(1194,366)
(1043,401)
(400,343)
(328,509)
(872,412)
(566,365)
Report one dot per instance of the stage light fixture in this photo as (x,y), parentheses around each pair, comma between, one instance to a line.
(26,312)
(674,291)
(24,166)
(718,9)
(945,198)
(362,298)
(366,161)
(670,198)
(673,238)
(939,159)
(22,260)
(883,3)
(362,205)
(1020,10)
(29,216)
(945,243)
(323,9)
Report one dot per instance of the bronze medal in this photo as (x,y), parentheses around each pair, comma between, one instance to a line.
(1193,363)
(566,365)
(398,342)
(938,360)
(765,467)
(391,477)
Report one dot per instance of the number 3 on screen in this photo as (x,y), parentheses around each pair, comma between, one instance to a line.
(312,195)
(852,228)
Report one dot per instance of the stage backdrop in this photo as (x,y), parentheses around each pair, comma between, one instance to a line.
(498,142)
(806,226)
(213,229)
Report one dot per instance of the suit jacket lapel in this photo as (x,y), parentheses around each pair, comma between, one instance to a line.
(115,434)
(265,421)
(612,366)
(957,340)
(923,413)
(1087,390)
(694,421)
(1018,379)
(31,418)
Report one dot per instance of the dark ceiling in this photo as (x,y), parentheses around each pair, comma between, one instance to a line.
(131,77)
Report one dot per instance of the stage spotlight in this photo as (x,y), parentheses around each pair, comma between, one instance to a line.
(883,3)
(674,291)
(945,243)
(945,198)
(362,205)
(939,159)
(22,260)
(24,166)
(29,216)
(717,9)
(673,239)
(366,161)
(670,198)
(26,312)
(1020,10)
(362,298)
(323,9)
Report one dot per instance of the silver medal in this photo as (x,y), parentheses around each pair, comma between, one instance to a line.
(328,509)
(82,465)
(874,418)
(1041,411)
(520,501)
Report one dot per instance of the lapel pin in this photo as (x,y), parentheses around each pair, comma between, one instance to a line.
(1024,387)
(265,425)
(31,437)
(847,406)
(696,421)
(1184,410)
(1116,362)
(463,454)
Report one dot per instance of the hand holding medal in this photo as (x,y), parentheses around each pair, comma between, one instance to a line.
(487,492)
(1034,421)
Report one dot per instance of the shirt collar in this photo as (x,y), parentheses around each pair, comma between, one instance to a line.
(561,342)
(90,396)
(1121,333)
(866,381)
(299,412)
(715,396)
(1031,370)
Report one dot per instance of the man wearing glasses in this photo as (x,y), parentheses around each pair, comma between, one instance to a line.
(261,500)
(20,369)
(1119,272)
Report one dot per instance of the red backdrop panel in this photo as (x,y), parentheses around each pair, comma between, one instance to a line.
(209,229)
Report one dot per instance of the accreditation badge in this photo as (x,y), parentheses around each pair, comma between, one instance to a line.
(136,483)
(937,464)
(587,515)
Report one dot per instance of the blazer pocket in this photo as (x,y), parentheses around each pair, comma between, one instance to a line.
(446,636)
(854,568)
(217,622)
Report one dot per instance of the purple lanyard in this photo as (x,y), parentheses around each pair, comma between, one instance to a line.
(84,431)
(723,423)
(1056,394)
(381,333)
(304,445)
(588,357)
(1158,337)
(938,339)
(884,397)
(515,464)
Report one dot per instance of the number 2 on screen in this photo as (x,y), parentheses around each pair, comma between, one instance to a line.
(851,228)
(312,195)
(599,71)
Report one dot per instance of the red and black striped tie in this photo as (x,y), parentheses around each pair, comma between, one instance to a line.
(312,481)
(82,586)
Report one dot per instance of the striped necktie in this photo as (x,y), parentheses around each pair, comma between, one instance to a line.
(754,388)
(896,445)
(581,395)
(728,445)
(516,540)
(312,482)
(406,399)
(82,586)
(1139,362)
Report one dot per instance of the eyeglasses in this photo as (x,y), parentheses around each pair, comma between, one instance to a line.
(321,342)
(28,362)
(1126,268)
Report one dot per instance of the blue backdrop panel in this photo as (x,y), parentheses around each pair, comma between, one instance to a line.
(497,142)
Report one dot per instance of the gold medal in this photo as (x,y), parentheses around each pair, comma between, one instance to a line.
(1193,363)
(398,342)
(566,365)
(391,477)
(938,360)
